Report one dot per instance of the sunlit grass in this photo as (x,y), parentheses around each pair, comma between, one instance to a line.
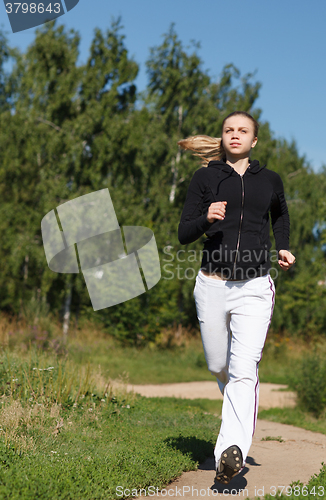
(184,361)
(65,433)
(64,429)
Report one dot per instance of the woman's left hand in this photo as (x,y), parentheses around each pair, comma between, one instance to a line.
(286,259)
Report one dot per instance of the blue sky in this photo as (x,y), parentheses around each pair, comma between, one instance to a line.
(284,42)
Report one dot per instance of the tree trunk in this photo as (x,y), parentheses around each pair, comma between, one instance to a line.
(66,313)
(26,267)
(175,162)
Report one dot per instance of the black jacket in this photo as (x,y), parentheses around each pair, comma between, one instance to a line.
(239,245)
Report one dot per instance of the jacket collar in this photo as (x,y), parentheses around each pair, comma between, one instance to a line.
(253,168)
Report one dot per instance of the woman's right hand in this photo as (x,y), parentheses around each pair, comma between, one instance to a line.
(216,211)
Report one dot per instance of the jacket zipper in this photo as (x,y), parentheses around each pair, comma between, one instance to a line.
(240,224)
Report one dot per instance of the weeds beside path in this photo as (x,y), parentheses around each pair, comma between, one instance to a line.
(66,434)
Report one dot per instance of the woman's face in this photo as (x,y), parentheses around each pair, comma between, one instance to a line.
(238,136)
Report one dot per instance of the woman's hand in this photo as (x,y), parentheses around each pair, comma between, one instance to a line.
(216,211)
(286,259)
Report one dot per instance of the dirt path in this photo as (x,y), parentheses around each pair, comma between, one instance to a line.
(270,395)
(271,464)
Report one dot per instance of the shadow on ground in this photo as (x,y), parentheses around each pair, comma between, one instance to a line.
(237,484)
(197,449)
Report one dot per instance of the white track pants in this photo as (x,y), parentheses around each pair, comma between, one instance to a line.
(243,308)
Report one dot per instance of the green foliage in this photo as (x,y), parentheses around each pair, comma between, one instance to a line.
(68,130)
(310,383)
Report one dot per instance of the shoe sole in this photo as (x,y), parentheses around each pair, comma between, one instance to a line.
(231,460)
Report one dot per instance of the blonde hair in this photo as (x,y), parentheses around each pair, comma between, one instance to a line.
(207,148)
(211,148)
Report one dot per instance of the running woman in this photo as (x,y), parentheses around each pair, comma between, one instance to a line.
(232,199)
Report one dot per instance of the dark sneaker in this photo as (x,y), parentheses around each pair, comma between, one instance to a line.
(229,464)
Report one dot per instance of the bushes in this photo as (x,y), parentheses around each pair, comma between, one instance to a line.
(310,383)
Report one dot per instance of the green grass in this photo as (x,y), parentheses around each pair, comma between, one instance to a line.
(275,370)
(179,364)
(96,451)
(273,438)
(184,361)
(144,365)
(294,416)
(65,435)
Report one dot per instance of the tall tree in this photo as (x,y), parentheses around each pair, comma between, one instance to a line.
(63,121)
(67,130)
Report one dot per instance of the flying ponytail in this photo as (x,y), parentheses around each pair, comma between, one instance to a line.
(205,147)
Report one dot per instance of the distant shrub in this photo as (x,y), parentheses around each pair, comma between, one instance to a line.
(310,384)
